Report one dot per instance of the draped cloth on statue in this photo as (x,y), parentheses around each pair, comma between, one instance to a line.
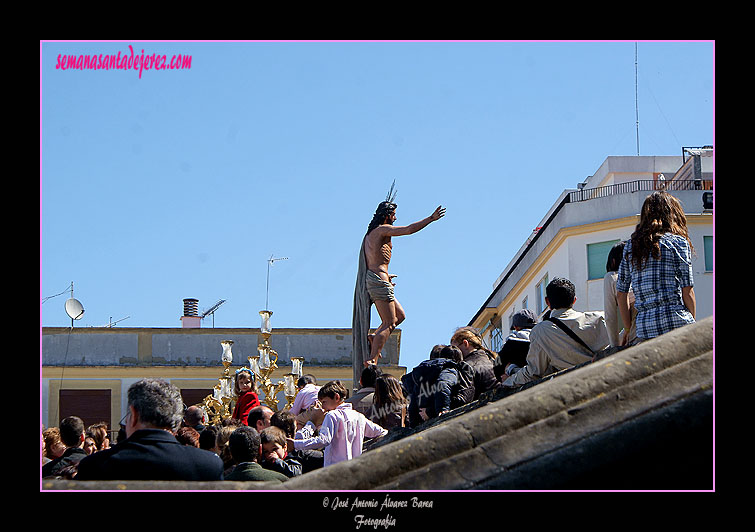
(360,321)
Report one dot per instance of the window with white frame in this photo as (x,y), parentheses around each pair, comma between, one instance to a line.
(597,256)
(540,294)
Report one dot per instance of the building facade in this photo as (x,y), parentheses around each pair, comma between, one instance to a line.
(574,237)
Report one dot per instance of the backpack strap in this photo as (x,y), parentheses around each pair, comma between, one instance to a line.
(571,333)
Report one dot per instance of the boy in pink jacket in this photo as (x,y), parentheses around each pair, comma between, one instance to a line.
(342,430)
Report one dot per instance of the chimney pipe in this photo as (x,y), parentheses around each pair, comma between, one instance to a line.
(191,319)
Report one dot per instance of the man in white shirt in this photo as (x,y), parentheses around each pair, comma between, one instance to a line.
(552,349)
(341,430)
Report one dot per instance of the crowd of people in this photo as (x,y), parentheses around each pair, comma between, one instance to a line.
(648,292)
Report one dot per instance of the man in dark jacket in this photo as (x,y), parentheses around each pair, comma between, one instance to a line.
(72,436)
(438,385)
(151,451)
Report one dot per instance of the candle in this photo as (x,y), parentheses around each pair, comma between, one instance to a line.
(265,327)
(264,358)
(254,365)
(289,384)
(297,363)
(227,355)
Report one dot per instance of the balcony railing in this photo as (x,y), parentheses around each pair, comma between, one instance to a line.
(647,185)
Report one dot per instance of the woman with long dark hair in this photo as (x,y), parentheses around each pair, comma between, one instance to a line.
(657,265)
(389,403)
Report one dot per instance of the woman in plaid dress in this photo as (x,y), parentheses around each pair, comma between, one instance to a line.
(657,264)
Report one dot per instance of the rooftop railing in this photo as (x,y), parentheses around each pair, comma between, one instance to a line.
(647,185)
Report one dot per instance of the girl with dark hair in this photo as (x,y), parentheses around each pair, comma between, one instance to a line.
(657,265)
(389,403)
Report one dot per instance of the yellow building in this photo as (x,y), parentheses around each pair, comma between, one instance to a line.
(574,237)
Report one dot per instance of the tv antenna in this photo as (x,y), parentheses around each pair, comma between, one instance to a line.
(74,308)
(111,322)
(270,261)
(212,310)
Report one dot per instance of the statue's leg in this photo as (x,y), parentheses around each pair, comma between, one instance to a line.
(391,314)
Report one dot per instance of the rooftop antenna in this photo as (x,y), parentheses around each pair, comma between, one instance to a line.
(636,102)
(111,322)
(267,286)
(74,308)
(212,310)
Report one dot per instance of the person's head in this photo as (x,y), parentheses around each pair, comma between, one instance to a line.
(100,434)
(614,257)
(388,391)
(384,214)
(244,445)
(451,352)
(188,436)
(222,449)
(244,381)
(661,213)
(305,379)
(193,416)
(259,417)
(284,420)
(273,441)
(435,351)
(467,339)
(331,395)
(560,293)
(153,404)
(369,374)
(72,431)
(54,448)
(524,319)
(89,444)
(207,437)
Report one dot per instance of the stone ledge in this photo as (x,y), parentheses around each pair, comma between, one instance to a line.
(565,432)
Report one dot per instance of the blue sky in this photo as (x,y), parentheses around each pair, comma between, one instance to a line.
(183,183)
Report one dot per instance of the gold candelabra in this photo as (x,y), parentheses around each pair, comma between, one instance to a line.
(218,405)
(265,363)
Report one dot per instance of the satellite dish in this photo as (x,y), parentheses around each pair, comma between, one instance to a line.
(74,309)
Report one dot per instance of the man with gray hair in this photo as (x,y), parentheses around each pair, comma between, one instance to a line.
(150,450)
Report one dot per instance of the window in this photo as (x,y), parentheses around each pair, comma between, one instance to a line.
(540,294)
(708,245)
(92,406)
(597,255)
(193,396)
(496,339)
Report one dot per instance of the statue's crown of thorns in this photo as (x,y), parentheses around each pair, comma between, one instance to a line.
(389,203)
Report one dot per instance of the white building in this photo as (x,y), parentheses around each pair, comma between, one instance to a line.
(575,235)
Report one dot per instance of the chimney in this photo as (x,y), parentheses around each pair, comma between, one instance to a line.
(191,319)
